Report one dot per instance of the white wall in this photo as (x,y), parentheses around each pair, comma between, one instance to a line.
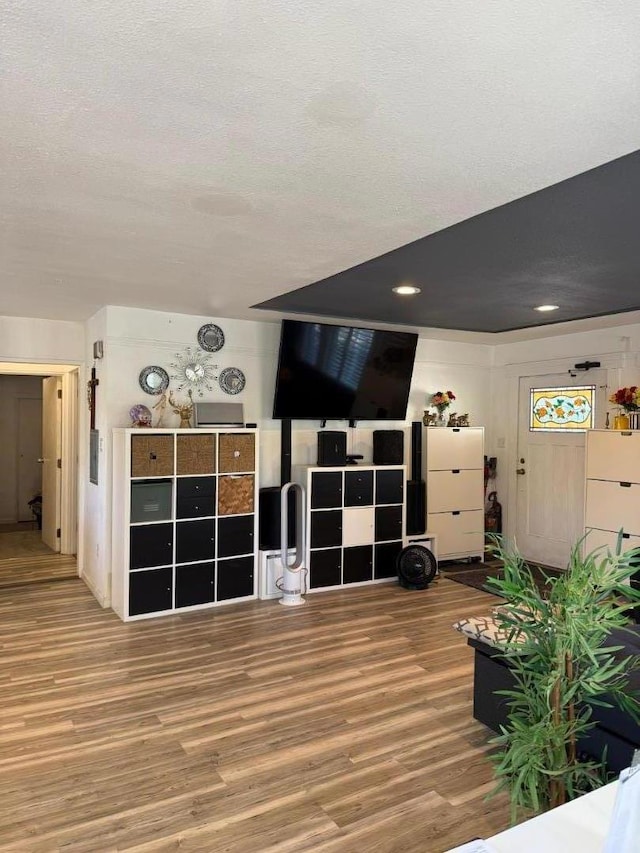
(94,531)
(12,390)
(135,338)
(32,340)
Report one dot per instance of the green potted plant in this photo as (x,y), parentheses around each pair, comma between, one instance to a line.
(558,649)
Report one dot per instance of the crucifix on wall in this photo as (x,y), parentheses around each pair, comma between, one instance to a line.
(92,385)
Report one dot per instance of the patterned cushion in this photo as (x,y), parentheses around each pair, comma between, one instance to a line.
(482,628)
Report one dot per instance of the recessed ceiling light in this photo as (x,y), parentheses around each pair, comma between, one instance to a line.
(406,290)
(546,308)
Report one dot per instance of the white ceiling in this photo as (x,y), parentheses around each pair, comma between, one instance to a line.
(204,155)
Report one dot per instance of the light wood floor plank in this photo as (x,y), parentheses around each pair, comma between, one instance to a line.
(342,726)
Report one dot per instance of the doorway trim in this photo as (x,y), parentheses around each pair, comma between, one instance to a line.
(69,374)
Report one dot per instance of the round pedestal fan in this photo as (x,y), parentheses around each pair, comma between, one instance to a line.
(416,567)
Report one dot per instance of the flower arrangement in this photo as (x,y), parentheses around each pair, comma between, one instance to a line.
(441,400)
(627,398)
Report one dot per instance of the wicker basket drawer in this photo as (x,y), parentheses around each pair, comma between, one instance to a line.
(237,452)
(195,454)
(235,495)
(151,455)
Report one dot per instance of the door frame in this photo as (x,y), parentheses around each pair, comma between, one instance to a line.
(69,374)
(615,365)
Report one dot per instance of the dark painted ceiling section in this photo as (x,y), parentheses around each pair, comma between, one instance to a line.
(575,244)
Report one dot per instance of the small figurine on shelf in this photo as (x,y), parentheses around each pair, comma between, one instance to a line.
(161,406)
(456,420)
(429,418)
(140,416)
(185,410)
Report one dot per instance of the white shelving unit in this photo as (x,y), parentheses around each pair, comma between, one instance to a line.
(184,519)
(612,495)
(454,475)
(355,520)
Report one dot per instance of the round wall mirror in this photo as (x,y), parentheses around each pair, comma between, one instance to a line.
(153,379)
(211,337)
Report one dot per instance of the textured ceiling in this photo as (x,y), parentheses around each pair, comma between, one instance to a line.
(574,245)
(204,156)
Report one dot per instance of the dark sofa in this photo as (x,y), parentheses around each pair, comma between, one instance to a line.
(614,729)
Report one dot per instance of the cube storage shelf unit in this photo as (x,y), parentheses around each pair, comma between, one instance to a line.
(184,519)
(355,520)
(454,462)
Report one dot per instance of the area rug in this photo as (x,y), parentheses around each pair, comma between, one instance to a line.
(476,574)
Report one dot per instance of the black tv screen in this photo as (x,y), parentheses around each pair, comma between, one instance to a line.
(328,372)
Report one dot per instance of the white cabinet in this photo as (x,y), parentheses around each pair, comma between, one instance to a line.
(184,509)
(355,522)
(454,475)
(613,489)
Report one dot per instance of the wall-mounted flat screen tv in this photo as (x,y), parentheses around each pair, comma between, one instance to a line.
(328,372)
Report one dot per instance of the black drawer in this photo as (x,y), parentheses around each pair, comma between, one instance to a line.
(325,568)
(385,557)
(196,497)
(150,545)
(235,578)
(235,535)
(358,488)
(326,490)
(357,564)
(150,591)
(388,523)
(389,487)
(203,506)
(194,487)
(195,540)
(195,584)
(326,528)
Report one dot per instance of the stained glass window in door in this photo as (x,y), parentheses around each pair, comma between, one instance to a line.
(562,408)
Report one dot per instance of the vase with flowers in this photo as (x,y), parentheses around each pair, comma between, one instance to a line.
(441,401)
(628,400)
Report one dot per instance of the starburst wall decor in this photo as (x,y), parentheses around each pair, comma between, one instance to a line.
(194,370)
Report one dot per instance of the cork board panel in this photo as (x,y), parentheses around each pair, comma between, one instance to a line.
(151,455)
(235,495)
(195,454)
(237,452)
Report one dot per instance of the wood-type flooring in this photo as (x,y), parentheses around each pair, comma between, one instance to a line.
(37,568)
(341,726)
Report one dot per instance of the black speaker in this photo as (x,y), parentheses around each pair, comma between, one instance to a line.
(269,519)
(416,507)
(285,452)
(388,447)
(416,450)
(416,490)
(332,448)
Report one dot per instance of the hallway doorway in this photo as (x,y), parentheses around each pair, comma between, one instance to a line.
(38,491)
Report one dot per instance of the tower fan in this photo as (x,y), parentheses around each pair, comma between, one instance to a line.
(416,567)
(291,571)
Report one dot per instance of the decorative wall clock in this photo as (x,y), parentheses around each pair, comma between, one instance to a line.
(232,380)
(194,371)
(211,337)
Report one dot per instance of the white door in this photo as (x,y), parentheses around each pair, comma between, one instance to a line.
(51,453)
(29,453)
(550,478)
